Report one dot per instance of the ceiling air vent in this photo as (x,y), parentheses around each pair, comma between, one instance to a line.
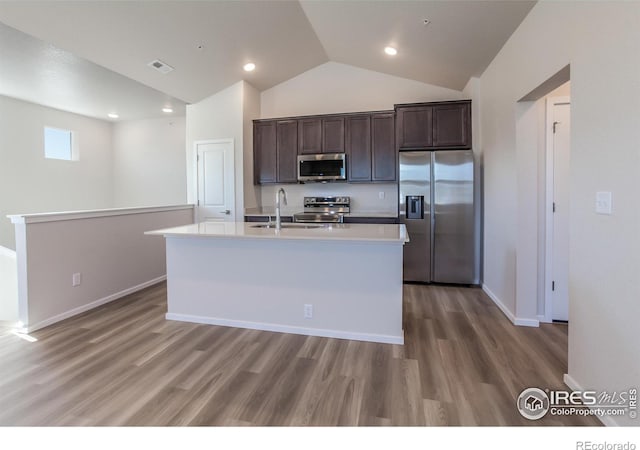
(160,66)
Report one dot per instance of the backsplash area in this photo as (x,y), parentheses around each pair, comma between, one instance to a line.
(365,198)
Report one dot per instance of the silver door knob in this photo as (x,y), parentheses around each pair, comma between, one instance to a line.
(226,211)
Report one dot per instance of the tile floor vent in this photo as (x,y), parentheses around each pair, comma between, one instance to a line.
(160,66)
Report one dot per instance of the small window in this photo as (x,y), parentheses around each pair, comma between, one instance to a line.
(58,144)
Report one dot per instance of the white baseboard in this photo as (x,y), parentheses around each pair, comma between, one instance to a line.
(94,304)
(519,321)
(608,421)
(543,319)
(385,339)
(499,304)
(526,322)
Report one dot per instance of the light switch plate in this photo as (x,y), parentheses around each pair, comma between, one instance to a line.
(603,202)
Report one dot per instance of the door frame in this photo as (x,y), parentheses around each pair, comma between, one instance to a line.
(549,178)
(197,173)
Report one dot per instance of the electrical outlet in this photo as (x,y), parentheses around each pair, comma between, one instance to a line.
(308,311)
(381,195)
(76,279)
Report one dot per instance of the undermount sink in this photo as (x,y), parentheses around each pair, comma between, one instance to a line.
(287,225)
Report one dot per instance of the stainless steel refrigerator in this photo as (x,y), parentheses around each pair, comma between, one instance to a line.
(436,205)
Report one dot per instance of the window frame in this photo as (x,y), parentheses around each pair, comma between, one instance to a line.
(73,136)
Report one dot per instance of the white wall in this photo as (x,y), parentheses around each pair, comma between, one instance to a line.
(31,183)
(148,162)
(250,111)
(473,91)
(604,250)
(334,88)
(217,117)
(108,248)
(8,286)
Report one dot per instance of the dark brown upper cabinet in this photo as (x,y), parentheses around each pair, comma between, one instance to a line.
(371,140)
(310,136)
(452,125)
(264,152)
(333,135)
(321,135)
(370,147)
(275,145)
(434,126)
(383,148)
(287,151)
(414,127)
(358,148)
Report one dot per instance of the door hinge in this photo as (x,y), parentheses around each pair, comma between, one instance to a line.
(554,206)
(553,285)
(554,126)
(198,202)
(198,156)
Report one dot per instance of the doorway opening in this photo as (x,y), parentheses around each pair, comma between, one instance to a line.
(558,147)
(215,180)
(542,269)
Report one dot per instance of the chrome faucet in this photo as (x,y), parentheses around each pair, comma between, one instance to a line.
(284,197)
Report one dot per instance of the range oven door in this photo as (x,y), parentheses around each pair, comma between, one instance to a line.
(318,218)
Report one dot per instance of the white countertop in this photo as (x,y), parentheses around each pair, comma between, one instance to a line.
(375,233)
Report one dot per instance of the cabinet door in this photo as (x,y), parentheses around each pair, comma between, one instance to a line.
(333,135)
(383,149)
(414,127)
(358,148)
(452,125)
(264,152)
(287,157)
(310,131)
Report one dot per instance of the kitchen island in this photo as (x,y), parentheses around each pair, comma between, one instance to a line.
(339,280)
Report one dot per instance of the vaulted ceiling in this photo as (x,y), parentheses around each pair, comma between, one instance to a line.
(208,42)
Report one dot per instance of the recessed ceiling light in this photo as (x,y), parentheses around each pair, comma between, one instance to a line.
(249,67)
(167,110)
(112,116)
(390,51)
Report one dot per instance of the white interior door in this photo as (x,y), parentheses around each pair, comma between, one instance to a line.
(215,177)
(560,241)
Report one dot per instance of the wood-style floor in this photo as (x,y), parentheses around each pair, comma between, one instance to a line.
(463,363)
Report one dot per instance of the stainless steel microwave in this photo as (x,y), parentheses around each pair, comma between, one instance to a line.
(322,167)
